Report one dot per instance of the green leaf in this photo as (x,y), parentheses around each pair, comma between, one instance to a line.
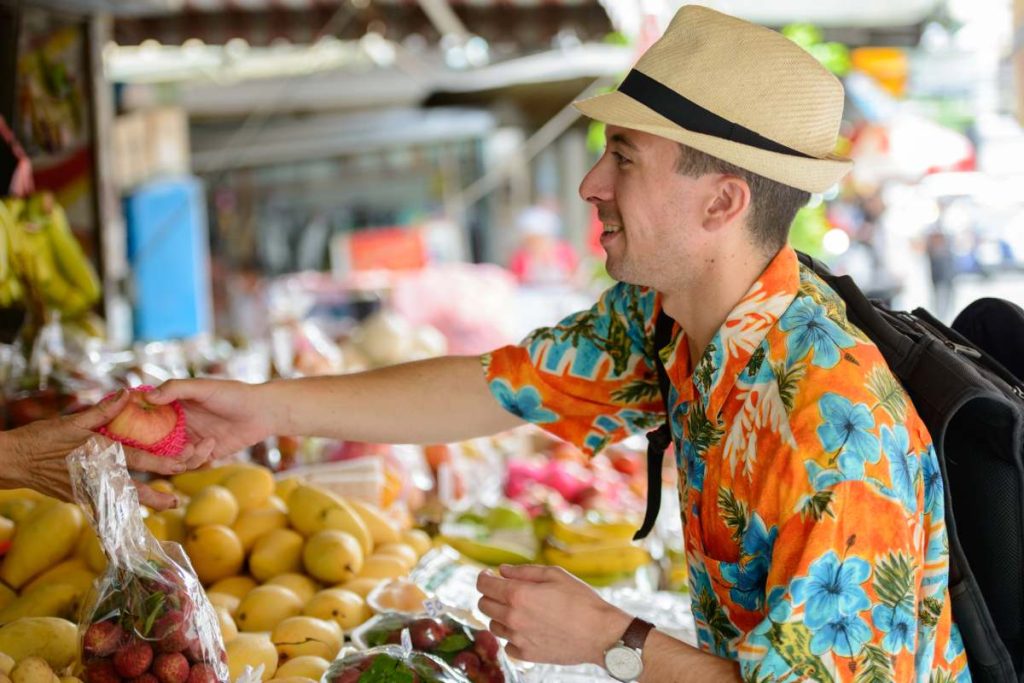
(701,432)
(153,607)
(456,642)
(756,360)
(637,391)
(704,375)
(734,513)
(894,581)
(718,623)
(617,345)
(875,666)
(929,611)
(888,392)
(788,380)
(818,505)
(793,643)
(386,669)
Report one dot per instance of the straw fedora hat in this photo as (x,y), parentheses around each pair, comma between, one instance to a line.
(737,91)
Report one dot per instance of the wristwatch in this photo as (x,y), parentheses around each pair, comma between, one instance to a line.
(624,660)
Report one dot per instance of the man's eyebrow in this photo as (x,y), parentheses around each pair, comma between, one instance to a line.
(623,140)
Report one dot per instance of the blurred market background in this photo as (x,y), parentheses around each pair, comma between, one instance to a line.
(279,188)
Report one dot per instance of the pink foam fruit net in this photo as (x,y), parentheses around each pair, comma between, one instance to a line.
(172,444)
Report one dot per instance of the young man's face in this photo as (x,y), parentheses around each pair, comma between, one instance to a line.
(650,211)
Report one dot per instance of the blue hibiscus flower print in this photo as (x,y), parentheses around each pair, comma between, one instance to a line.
(933,490)
(903,464)
(848,430)
(695,467)
(747,580)
(845,635)
(832,589)
(810,329)
(525,403)
(758,540)
(899,628)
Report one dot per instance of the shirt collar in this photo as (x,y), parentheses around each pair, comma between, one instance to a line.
(732,347)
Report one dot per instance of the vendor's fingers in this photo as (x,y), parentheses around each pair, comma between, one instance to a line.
(494,610)
(529,572)
(194,456)
(157,500)
(495,587)
(101,413)
(141,461)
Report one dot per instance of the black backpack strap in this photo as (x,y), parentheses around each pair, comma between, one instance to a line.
(659,439)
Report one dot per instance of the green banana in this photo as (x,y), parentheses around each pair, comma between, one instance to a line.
(70,258)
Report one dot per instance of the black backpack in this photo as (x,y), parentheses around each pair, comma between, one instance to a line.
(974,409)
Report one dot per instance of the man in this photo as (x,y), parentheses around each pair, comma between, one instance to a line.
(811,501)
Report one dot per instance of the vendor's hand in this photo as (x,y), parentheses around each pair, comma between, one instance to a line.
(35,455)
(549,616)
(224,412)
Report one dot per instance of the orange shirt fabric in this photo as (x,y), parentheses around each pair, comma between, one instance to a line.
(811,498)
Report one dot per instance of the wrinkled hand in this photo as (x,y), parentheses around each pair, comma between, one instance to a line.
(36,454)
(549,616)
(224,413)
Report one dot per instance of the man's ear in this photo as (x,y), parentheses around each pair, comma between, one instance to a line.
(728,204)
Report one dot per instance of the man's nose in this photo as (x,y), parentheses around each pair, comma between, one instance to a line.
(596,186)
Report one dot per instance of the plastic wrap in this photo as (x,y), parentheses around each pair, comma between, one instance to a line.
(391,663)
(148,612)
(474,652)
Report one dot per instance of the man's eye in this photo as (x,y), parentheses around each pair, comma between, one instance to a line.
(620,160)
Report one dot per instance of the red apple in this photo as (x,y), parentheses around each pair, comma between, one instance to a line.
(142,422)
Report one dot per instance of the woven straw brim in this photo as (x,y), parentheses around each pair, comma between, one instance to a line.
(811,175)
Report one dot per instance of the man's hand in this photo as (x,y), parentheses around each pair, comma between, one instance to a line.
(226,413)
(35,455)
(547,615)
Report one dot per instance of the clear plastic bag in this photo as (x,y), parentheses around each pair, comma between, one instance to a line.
(475,653)
(148,612)
(391,663)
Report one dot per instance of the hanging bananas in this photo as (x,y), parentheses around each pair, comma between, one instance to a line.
(40,258)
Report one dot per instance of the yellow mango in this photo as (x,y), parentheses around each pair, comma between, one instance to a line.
(276,552)
(53,639)
(251,487)
(305,666)
(215,551)
(332,556)
(265,607)
(301,636)
(255,522)
(300,584)
(251,649)
(212,505)
(237,586)
(44,540)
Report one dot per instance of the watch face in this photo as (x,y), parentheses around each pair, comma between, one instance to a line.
(623,663)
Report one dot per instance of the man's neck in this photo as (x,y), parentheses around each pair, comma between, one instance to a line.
(701,309)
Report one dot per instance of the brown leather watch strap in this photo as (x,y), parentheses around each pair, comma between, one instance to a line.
(636,635)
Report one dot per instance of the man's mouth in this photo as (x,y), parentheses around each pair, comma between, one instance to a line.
(611,229)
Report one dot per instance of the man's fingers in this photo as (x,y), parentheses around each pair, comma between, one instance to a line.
(142,461)
(201,453)
(178,390)
(494,609)
(156,500)
(494,587)
(515,653)
(499,629)
(101,413)
(527,572)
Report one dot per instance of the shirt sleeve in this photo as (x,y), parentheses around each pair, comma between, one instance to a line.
(590,379)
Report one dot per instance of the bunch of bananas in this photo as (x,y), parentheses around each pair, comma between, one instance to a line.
(41,262)
(597,552)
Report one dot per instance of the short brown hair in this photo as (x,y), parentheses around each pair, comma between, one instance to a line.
(772,205)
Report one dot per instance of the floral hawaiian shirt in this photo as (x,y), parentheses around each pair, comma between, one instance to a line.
(811,497)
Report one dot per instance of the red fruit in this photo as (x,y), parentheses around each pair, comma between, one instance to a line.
(486,646)
(194,652)
(350,676)
(159,429)
(101,671)
(468,663)
(145,678)
(426,633)
(171,667)
(133,660)
(102,638)
(171,632)
(202,673)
